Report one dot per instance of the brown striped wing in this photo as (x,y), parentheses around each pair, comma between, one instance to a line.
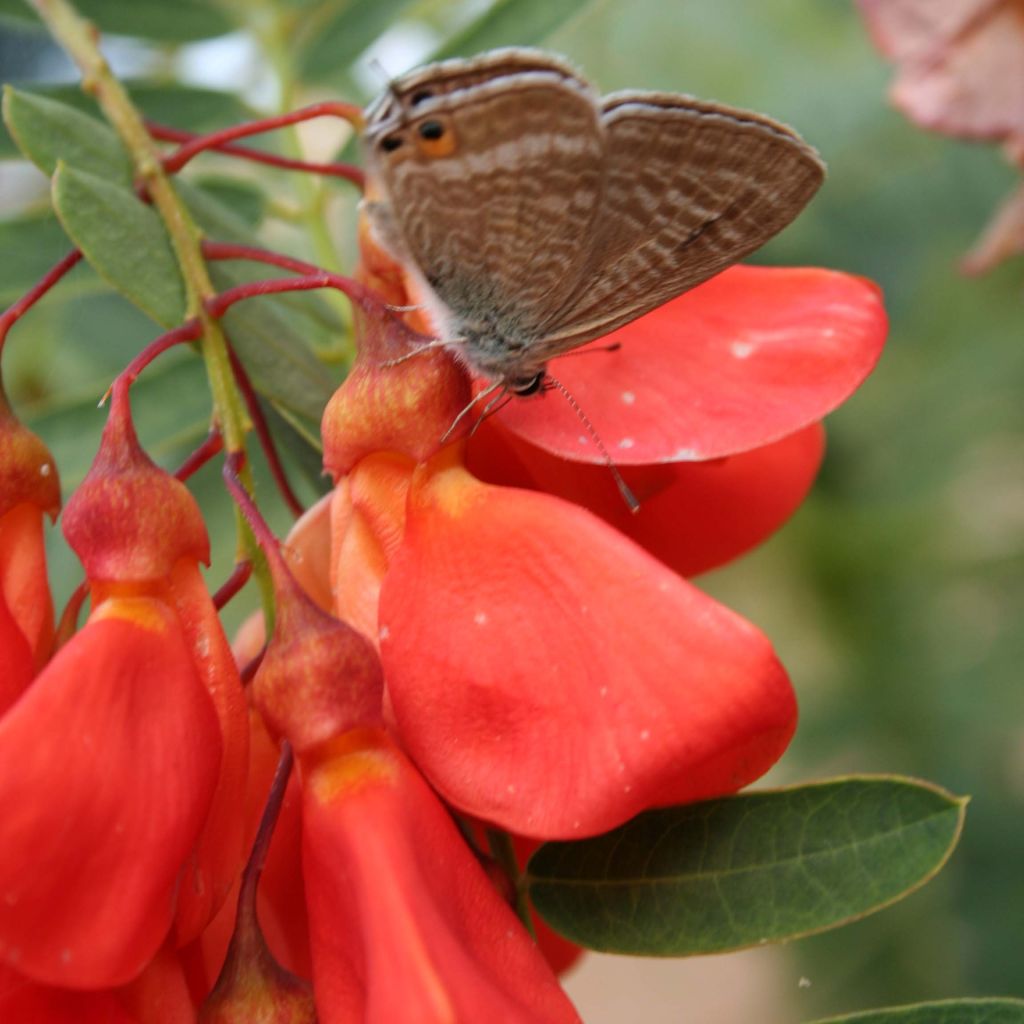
(689,189)
(498,225)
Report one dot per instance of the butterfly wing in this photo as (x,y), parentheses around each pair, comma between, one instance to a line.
(689,189)
(496,210)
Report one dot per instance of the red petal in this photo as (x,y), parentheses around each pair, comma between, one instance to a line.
(15,658)
(694,516)
(217,858)
(751,356)
(110,759)
(549,675)
(23,578)
(26,1002)
(405,925)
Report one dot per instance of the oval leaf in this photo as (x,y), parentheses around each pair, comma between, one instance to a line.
(123,239)
(742,871)
(191,107)
(48,131)
(179,21)
(29,246)
(508,22)
(338,42)
(948,1011)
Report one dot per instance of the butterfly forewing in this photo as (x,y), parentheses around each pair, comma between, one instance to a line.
(542,216)
(495,223)
(689,189)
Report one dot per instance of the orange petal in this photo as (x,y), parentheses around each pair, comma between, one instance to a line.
(549,675)
(217,857)
(110,762)
(424,934)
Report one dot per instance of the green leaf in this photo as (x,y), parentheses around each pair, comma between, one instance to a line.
(173,21)
(278,359)
(271,333)
(336,45)
(948,1011)
(194,109)
(123,239)
(48,131)
(244,199)
(29,247)
(510,23)
(746,870)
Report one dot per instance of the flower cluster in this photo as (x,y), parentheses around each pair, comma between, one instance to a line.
(475,647)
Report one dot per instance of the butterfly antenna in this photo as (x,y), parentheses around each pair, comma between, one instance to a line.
(462,415)
(628,496)
(493,407)
(418,350)
(378,69)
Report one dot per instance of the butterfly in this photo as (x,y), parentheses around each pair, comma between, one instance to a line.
(536,215)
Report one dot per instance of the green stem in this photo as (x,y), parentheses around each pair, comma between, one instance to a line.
(81,41)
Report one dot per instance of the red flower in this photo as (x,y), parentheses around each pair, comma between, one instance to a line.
(544,672)
(427,935)
(124,757)
(29,491)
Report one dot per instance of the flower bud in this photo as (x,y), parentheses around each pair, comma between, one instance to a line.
(129,520)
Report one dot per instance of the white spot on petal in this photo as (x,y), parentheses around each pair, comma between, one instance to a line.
(480,618)
(45,470)
(645,735)
(583,439)
(685,455)
(628,397)
(385,633)
(627,442)
(742,349)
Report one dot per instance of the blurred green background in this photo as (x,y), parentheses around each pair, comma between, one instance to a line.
(894,596)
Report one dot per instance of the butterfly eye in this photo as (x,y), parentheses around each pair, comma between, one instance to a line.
(419,96)
(390,143)
(431,130)
(437,137)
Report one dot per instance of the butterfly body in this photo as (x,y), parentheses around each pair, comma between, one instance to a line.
(539,216)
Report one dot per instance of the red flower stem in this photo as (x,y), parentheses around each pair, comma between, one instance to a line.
(261,844)
(332,170)
(251,667)
(259,422)
(233,465)
(312,276)
(68,624)
(220,304)
(15,312)
(191,330)
(231,251)
(348,111)
(233,584)
(213,444)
